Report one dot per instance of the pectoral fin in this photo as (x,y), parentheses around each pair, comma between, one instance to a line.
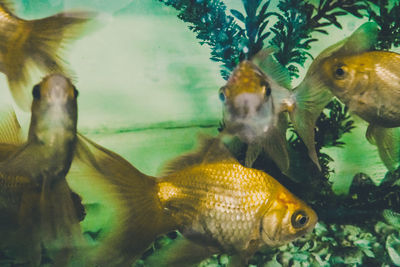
(387,140)
(252,153)
(276,145)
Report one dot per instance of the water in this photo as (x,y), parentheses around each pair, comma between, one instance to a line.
(148,88)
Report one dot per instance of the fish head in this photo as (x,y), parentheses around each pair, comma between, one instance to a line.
(248,103)
(287,219)
(54,105)
(345,75)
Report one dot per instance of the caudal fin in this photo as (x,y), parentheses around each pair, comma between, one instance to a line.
(310,98)
(137,217)
(36,46)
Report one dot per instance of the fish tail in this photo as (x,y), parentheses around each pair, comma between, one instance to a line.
(60,230)
(386,139)
(35,45)
(309,99)
(138,216)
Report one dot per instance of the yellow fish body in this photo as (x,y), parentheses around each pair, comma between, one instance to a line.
(29,44)
(253,107)
(367,81)
(33,191)
(216,203)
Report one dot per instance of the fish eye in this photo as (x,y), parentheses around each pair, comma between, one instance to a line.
(267,88)
(299,219)
(36,91)
(268,91)
(340,72)
(76,92)
(221,95)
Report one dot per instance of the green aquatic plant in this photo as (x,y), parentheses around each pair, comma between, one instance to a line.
(299,19)
(215,28)
(387,16)
(255,24)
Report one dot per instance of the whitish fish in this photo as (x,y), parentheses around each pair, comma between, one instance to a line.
(368,82)
(30,45)
(254,101)
(36,206)
(215,202)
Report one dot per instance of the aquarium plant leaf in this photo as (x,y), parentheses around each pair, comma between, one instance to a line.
(386,15)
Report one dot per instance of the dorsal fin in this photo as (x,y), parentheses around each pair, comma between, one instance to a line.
(10,129)
(362,40)
(209,150)
(271,67)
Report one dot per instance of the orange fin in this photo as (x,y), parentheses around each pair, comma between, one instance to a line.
(10,129)
(210,149)
(37,46)
(387,141)
(138,217)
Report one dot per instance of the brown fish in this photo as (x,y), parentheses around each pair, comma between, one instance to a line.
(253,100)
(37,209)
(28,45)
(216,203)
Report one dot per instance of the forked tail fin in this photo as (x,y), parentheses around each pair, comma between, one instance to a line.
(137,214)
(35,46)
(310,98)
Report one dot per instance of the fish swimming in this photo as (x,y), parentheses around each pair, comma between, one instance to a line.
(30,45)
(366,81)
(253,105)
(216,203)
(36,205)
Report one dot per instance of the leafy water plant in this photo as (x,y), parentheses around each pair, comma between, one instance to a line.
(212,26)
(386,15)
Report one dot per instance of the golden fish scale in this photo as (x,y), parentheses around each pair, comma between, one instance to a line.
(224,202)
(246,78)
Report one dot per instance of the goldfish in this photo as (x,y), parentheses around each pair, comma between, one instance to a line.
(29,45)
(366,81)
(217,204)
(253,104)
(38,204)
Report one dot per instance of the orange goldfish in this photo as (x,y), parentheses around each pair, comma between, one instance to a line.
(253,101)
(35,197)
(216,203)
(34,43)
(366,81)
